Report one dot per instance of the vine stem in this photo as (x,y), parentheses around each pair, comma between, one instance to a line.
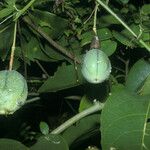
(13,47)
(50,40)
(124,24)
(42,68)
(20,12)
(96,107)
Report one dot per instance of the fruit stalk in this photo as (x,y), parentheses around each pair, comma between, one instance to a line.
(13,47)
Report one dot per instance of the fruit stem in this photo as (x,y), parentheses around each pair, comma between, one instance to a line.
(13,47)
(95,41)
(96,107)
(95,18)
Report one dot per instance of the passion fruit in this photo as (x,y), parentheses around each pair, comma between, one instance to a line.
(13,91)
(96,66)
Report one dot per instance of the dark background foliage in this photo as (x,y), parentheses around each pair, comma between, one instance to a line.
(45,30)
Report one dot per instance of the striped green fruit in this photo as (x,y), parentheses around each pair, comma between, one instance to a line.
(96,66)
(13,91)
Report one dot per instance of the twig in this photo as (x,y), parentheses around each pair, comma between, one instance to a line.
(32,100)
(42,68)
(13,47)
(33,94)
(124,24)
(97,107)
(6,19)
(89,17)
(126,69)
(121,59)
(119,69)
(50,40)
(120,76)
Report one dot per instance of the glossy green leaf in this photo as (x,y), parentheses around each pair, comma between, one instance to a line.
(103,34)
(44,128)
(122,1)
(145,88)
(5,12)
(53,53)
(108,20)
(137,75)
(10,3)
(16,63)
(65,77)
(52,24)
(41,3)
(126,38)
(124,121)
(9,144)
(33,50)
(6,38)
(145,9)
(145,33)
(75,47)
(84,103)
(82,127)
(50,142)
(109,47)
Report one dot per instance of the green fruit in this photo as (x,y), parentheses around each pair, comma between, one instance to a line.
(96,66)
(13,91)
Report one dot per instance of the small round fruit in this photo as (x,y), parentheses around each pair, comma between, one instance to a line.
(13,91)
(96,66)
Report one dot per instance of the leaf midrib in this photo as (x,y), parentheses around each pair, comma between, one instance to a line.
(144,127)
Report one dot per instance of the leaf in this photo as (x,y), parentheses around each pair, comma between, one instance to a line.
(5,12)
(82,127)
(145,9)
(103,34)
(65,77)
(85,103)
(138,73)
(124,121)
(6,38)
(9,144)
(52,24)
(122,1)
(16,63)
(126,38)
(50,142)
(109,47)
(108,20)
(33,50)
(10,3)
(53,53)
(41,3)
(75,47)
(145,89)
(44,128)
